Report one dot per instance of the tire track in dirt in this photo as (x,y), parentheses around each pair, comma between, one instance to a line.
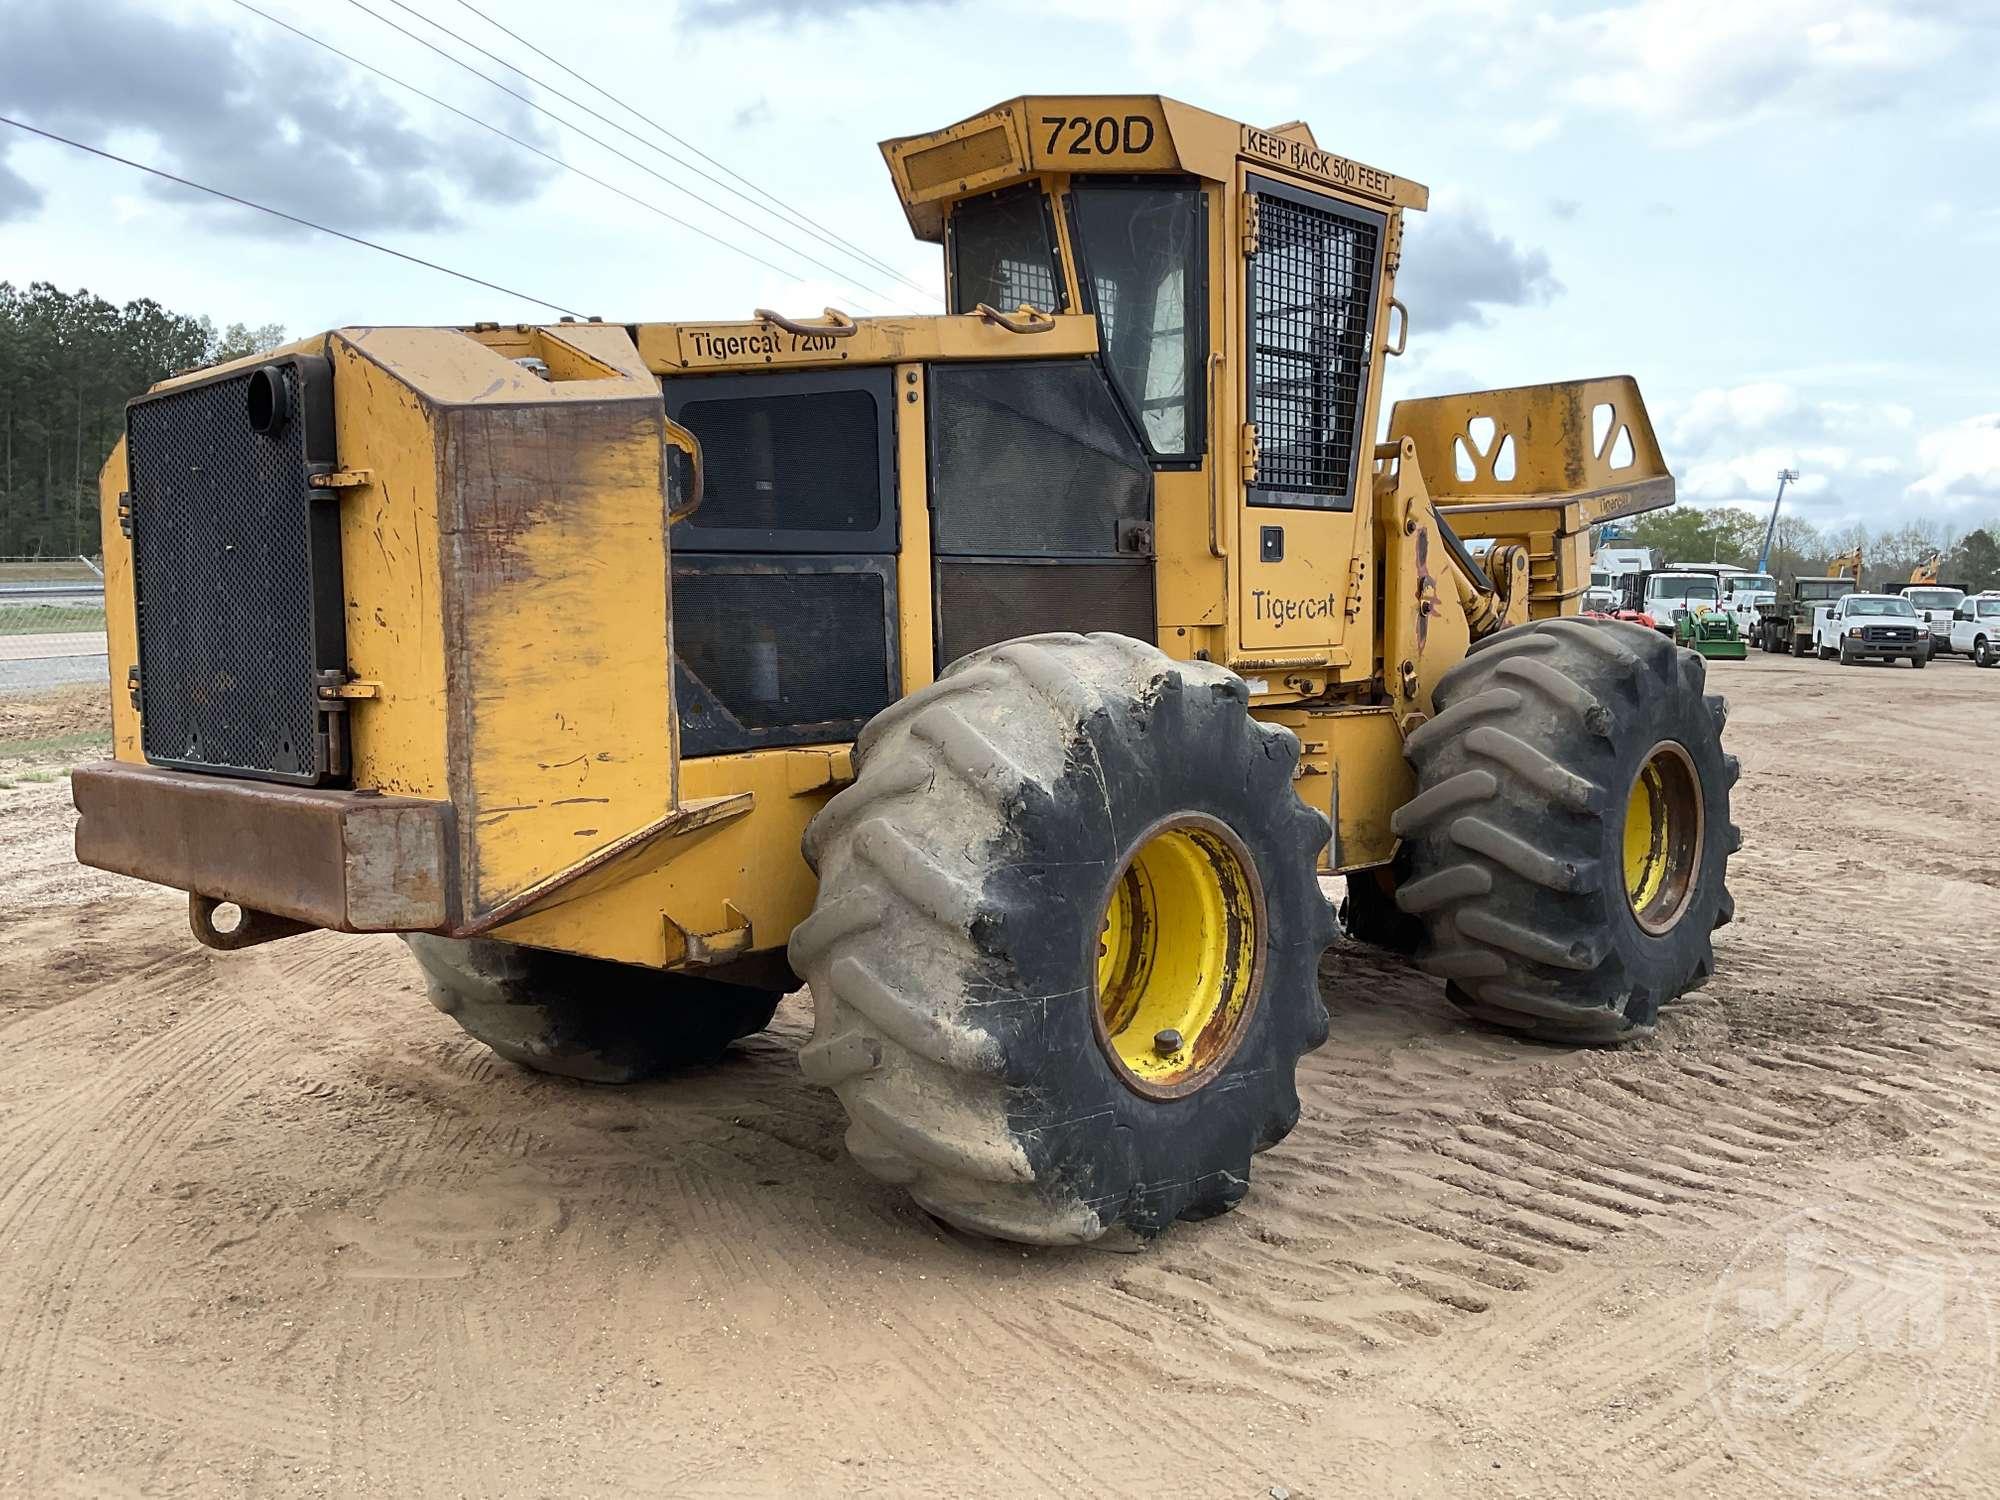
(73,1161)
(1510,1249)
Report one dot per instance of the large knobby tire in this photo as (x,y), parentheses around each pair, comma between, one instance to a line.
(585,1018)
(955,950)
(1517,837)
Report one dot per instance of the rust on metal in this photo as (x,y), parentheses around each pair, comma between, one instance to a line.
(350,861)
(251,927)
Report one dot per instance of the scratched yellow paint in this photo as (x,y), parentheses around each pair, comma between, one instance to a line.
(752,862)
(392,582)
(120,620)
(506,553)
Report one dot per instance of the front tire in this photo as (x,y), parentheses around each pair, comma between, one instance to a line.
(1541,912)
(988,905)
(585,1018)
(1982,654)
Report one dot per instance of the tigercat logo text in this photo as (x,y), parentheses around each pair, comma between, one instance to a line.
(1282,611)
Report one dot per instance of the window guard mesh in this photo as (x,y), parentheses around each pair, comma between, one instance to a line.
(1312,286)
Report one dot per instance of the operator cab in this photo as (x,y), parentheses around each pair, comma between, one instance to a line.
(1748,588)
(1677,593)
(1887,606)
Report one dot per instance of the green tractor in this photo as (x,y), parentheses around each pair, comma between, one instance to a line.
(1687,605)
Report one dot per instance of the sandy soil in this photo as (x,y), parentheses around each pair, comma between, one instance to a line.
(269,1224)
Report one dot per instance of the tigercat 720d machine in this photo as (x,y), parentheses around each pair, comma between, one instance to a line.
(1009,676)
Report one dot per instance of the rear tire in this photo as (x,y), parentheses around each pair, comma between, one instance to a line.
(1520,862)
(585,1018)
(956,947)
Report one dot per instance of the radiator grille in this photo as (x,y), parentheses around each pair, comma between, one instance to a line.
(781,650)
(982,602)
(236,579)
(1312,298)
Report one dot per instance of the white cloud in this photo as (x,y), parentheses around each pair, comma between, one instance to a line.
(1525,135)
(1961,464)
(1199,39)
(1696,68)
(1456,266)
(1727,444)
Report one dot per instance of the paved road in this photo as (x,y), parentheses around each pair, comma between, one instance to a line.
(52,644)
(33,663)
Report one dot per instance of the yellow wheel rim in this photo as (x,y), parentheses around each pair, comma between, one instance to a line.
(1178,956)
(1663,836)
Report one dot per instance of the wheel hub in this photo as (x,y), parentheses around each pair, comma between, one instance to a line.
(1178,958)
(1663,837)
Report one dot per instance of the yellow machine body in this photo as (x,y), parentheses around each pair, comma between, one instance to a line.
(506,523)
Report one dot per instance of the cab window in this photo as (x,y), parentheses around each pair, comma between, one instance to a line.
(1003,253)
(1140,262)
(1312,289)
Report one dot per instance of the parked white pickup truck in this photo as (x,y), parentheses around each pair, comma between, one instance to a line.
(1975,629)
(1878,626)
(1936,604)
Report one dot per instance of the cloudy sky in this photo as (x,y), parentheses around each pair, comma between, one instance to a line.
(1783,216)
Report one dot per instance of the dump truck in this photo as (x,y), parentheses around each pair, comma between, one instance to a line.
(1011,676)
(1787,626)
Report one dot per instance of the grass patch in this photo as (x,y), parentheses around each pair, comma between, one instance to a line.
(51,619)
(62,744)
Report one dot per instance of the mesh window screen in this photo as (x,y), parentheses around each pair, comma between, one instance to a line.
(1032,460)
(1001,253)
(1142,247)
(794,462)
(233,574)
(984,602)
(1312,299)
(780,650)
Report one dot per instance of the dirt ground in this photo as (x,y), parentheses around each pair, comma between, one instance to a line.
(269,1224)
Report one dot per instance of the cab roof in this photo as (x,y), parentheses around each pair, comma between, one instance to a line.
(1112,133)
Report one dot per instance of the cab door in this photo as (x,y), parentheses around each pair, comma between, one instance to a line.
(1313,291)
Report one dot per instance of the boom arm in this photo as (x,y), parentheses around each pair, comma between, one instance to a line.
(1785,476)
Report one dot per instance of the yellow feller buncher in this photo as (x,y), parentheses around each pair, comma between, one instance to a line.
(1011,676)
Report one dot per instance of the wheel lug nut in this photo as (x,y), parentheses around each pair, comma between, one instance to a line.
(1167,1042)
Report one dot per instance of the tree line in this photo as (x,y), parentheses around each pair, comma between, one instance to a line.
(69,361)
(1734,534)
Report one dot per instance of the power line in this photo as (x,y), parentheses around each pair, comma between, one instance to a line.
(846,278)
(796,217)
(525,145)
(279,213)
